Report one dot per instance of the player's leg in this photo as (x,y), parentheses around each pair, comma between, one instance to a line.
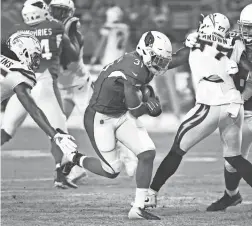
(199,123)
(67,101)
(134,136)
(14,116)
(232,195)
(231,136)
(45,97)
(128,158)
(101,132)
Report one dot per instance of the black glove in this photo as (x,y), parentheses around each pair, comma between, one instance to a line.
(154,106)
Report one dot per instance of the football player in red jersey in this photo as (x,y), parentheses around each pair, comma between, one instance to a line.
(50,33)
(74,79)
(113,111)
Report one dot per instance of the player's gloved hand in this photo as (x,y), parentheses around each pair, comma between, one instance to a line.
(65,142)
(191,39)
(231,67)
(154,106)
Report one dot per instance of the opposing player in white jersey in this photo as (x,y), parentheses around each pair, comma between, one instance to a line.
(74,80)
(219,105)
(50,34)
(114,37)
(243,80)
(20,57)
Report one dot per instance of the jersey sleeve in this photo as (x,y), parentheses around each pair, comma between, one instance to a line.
(238,49)
(15,78)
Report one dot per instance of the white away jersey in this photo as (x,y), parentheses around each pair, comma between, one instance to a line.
(117,38)
(12,74)
(209,61)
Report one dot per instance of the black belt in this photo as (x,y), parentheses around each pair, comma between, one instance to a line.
(216,81)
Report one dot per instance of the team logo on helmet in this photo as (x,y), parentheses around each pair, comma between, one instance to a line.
(149,39)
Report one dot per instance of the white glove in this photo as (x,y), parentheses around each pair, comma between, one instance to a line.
(231,67)
(65,142)
(191,39)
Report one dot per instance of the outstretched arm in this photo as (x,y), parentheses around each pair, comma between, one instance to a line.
(23,94)
(180,57)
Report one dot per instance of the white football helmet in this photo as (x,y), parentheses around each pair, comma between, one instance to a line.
(215,23)
(27,48)
(35,11)
(245,24)
(156,51)
(61,9)
(114,14)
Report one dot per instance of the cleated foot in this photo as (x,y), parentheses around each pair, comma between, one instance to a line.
(224,202)
(137,213)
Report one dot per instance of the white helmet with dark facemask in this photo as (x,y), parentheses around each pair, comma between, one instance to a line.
(245,24)
(27,48)
(35,11)
(215,23)
(156,51)
(61,9)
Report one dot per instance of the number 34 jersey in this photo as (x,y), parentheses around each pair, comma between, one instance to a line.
(108,95)
(209,62)
(49,33)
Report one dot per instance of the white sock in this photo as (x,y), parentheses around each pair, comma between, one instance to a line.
(141,194)
(232,193)
(152,192)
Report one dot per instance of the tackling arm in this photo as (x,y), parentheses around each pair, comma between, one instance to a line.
(23,93)
(180,57)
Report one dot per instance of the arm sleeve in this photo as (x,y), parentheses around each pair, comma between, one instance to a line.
(238,49)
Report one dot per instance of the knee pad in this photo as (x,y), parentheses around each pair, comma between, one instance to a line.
(229,168)
(5,137)
(114,168)
(177,150)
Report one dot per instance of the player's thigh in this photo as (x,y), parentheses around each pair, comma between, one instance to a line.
(101,132)
(134,136)
(14,115)
(246,134)
(44,95)
(199,122)
(231,132)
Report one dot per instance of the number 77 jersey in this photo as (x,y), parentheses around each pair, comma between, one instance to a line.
(49,33)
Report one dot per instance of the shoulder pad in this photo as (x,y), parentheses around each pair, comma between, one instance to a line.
(133,67)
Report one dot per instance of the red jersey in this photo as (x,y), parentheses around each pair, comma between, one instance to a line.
(49,33)
(108,95)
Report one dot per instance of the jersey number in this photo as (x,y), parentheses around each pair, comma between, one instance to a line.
(45,49)
(221,51)
(45,46)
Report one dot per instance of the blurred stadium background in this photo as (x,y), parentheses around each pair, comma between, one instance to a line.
(27,196)
(175,18)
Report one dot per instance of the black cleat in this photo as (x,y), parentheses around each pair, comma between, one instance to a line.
(137,213)
(225,202)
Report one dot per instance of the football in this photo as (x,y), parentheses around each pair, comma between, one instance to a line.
(146,93)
